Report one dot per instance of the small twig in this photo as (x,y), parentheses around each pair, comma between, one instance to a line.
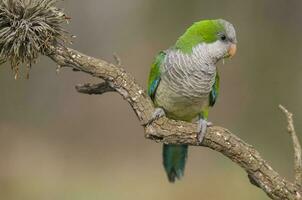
(117,60)
(296,144)
(99,88)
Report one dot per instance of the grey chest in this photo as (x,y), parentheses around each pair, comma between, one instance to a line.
(186,81)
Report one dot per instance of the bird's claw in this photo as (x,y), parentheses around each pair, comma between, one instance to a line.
(158,113)
(202,128)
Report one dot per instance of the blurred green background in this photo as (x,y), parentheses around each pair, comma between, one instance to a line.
(58,144)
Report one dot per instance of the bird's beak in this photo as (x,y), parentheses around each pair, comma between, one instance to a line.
(232,50)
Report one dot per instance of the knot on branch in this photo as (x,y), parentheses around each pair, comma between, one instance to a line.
(99,88)
(28,28)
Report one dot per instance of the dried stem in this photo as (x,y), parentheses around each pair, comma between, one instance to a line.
(296,144)
(28,29)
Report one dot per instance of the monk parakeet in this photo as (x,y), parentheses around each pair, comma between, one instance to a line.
(184,82)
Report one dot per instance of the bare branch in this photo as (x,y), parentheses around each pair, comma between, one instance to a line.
(177,132)
(117,59)
(296,144)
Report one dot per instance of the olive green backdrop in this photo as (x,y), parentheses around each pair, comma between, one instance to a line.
(56,144)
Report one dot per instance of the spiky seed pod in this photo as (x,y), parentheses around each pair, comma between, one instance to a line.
(29,28)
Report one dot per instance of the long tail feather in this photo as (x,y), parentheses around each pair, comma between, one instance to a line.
(174,160)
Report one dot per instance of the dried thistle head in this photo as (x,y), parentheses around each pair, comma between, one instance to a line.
(29,28)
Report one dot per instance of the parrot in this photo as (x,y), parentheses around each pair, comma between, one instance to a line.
(184,82)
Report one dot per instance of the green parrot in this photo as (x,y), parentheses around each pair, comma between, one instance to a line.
(184,82)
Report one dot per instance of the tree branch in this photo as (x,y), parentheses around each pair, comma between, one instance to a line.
(296,144)
(177,132)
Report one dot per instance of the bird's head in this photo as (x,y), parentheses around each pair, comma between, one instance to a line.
(218,37)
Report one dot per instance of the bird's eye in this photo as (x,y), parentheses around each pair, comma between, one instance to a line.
(223,37)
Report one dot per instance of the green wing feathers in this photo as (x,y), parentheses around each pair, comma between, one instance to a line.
(174,160)
(212,98)
(214,92)
(154,75)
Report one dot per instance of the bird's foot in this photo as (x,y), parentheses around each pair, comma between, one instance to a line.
(202,128)
(158,113)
